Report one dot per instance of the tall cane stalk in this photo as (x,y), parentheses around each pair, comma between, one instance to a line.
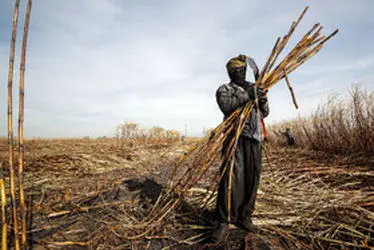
(10,126)
(20,126)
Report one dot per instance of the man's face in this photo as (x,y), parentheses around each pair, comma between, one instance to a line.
(237,75)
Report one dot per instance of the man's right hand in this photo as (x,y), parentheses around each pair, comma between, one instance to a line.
(261,93)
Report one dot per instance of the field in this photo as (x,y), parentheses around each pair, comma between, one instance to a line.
(87,193)
(117,193)
(106,193)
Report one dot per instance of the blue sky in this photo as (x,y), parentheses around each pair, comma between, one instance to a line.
(92,64)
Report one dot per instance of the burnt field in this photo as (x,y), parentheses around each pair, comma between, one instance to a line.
(95,194)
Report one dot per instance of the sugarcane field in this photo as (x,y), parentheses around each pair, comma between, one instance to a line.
(187,125)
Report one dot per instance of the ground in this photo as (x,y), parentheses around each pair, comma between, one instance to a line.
(91,194)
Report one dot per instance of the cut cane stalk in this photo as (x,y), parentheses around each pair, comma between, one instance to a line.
(10,127)
(20,127)
(291,90)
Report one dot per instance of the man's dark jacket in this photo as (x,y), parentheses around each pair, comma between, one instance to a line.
(231,96)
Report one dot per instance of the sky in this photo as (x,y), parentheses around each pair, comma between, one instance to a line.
(93,64)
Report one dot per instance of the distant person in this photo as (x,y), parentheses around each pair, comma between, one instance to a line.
(289,137)
(247,165)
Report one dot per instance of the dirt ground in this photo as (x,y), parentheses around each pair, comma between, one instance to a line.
(306,199)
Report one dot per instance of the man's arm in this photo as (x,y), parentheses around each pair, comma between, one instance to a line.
(262,99)
(229,100)
(263,103)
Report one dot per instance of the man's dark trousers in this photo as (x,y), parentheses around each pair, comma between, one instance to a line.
(245,181)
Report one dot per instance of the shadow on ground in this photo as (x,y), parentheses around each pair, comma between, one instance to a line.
(148,191)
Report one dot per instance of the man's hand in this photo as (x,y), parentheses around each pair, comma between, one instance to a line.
(261,93)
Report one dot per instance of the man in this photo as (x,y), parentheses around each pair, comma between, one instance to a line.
(247,165)
(289,137)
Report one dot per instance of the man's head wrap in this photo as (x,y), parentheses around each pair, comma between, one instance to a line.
(236,62)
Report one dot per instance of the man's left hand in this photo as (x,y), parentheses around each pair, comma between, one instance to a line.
(261,93)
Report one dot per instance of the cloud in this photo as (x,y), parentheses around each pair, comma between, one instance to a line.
(95,63)
(354,64)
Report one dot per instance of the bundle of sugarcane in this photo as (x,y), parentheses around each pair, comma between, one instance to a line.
(208,152)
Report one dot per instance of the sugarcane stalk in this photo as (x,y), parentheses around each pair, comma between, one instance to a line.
(190,171)
(310,52)
(304,59)
(187,184)
(243,118)
(278,50)
(285,39)
(216,154)
(229,188)
(212,157)
(180,162)
(195,176)
(331,35)
(4,224)
(315,26)
(201,173)
(291,90)
(294,52)
(206,145)
(266,66)
(219,176)
(285,61)
(298,54)
(316,34)
(10,126)
(20,127)
(318,40)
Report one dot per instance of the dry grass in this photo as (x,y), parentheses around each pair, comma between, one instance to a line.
(95,194)
(342,125)
(61,172)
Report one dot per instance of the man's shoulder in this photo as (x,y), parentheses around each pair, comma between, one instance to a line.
(224,87)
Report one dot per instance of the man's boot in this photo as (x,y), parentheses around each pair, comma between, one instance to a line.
(248,226)
(221,233)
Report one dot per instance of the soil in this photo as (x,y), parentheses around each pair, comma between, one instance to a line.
(76,188)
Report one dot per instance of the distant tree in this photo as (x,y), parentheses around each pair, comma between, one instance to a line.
(173,134)
(127,130)
(157,132)
(132,130)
